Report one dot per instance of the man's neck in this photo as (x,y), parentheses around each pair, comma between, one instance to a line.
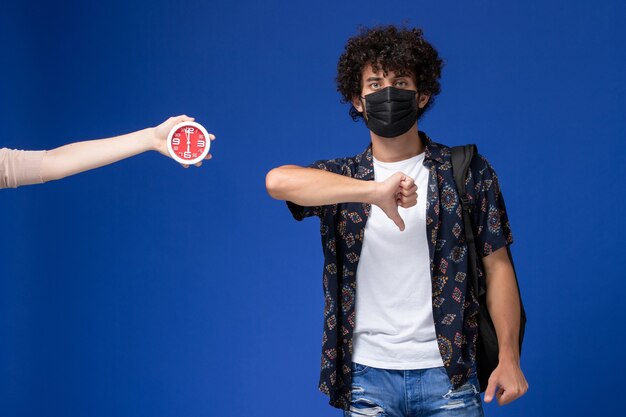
(399,148)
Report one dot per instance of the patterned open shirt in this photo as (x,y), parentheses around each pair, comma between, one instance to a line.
(342,228)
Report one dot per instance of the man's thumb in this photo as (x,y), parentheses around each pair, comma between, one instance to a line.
(395,216)
(490,392)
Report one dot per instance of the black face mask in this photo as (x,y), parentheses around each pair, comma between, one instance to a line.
(391,111)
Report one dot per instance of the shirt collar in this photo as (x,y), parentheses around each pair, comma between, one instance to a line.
(365,161)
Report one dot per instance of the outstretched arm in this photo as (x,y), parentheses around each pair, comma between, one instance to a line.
(313,187)
(82,156)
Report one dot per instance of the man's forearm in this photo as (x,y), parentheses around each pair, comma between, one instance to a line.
(507,381)
(82,156)
(315,187)
(503,303)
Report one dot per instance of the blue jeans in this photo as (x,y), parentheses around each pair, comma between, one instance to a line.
(411,393)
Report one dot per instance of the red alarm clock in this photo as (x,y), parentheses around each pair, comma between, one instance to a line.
(188,143)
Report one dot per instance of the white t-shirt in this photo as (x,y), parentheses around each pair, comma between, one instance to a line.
(394,326)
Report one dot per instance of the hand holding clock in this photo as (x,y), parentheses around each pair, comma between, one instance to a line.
(34,167)
(191,134)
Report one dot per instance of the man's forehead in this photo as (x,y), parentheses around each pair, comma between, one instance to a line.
(368,72)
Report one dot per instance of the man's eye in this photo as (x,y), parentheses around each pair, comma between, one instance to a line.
(374,85)
(401,83)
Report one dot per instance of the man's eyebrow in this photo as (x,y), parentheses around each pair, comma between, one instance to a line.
(394,78)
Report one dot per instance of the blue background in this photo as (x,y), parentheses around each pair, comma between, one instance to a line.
(143,289)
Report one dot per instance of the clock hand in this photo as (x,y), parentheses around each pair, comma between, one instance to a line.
(188,133)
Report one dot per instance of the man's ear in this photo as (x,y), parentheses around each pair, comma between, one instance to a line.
(423,100)
(358,103)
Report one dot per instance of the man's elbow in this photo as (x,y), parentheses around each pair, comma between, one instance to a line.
(274,183)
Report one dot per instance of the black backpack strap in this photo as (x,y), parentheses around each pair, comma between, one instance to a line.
(461,160)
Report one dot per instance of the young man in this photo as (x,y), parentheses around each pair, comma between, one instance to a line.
(392,226)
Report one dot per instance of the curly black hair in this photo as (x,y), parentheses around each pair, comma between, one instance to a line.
(401,50)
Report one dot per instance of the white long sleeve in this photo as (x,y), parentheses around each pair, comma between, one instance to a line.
(20,167)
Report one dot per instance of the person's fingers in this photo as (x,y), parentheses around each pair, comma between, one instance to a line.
(174,120)
(209,156)
(394,181)
(406,200)
(506,396)
(198,164)
(181,118)
(185,165)
(490,391)
(408,204)
(407,182)
(408,191)
(211,136)
(406,195)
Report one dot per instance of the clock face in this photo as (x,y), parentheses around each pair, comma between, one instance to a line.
(188,143)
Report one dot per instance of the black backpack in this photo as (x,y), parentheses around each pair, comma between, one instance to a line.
(487,344)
